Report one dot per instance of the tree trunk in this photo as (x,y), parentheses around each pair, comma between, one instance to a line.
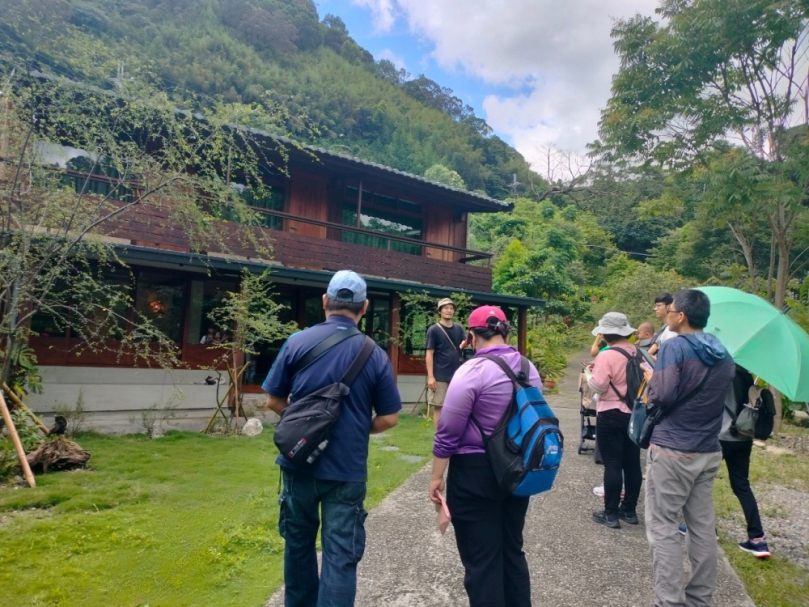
(771,273)
(779,409)
(747,250)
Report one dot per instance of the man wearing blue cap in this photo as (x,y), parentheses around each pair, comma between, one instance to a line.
(333,488)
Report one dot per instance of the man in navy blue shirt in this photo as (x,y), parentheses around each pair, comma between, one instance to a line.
(334,487)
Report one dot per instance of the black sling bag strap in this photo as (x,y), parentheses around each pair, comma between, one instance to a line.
(362,357)
(324,345)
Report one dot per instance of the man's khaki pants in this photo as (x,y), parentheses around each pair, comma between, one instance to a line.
(679,480)
(435,399)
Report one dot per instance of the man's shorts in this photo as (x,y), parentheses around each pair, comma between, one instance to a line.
(436,397)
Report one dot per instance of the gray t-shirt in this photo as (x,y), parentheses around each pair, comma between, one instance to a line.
(446,358)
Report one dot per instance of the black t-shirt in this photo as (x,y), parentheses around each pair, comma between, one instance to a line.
(446,359)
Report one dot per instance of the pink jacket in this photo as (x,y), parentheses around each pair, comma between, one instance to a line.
(609,367)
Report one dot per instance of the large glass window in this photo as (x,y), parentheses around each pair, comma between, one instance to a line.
(259,365)
(385,222)
(159,299)
(270,199)
(105,180)
(381,316)
(206,296)
(383,214)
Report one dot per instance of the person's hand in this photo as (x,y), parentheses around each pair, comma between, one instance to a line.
(463,345)
(436,487)
(431,383)
(647,373)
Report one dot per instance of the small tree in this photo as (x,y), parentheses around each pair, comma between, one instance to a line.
(253,318)
(441,174)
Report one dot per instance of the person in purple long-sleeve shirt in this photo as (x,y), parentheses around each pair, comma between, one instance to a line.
(488,521)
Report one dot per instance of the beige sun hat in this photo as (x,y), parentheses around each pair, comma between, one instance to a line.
(614,323)
(446,301)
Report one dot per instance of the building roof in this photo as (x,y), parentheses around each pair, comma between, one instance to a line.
(136,254)
(473,201)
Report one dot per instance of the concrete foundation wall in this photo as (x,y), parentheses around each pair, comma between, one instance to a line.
(114,397)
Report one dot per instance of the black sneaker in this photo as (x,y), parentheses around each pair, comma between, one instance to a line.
(602,517)
(628,516)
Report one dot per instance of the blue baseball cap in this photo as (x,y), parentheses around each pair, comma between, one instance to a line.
(347,286)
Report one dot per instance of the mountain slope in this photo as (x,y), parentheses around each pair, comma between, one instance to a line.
(277,54)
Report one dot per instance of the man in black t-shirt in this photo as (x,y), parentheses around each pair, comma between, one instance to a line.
(445,340)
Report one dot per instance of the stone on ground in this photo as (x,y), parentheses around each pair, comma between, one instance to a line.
(253,427)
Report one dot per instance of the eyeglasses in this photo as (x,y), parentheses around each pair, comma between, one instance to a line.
(670,311)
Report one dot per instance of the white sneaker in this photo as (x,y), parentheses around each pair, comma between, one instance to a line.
(599,491)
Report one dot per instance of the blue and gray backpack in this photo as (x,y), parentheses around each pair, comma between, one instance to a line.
(526,447)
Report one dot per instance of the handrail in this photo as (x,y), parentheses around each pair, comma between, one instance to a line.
(473,255)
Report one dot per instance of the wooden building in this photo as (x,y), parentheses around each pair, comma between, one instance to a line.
(331,212)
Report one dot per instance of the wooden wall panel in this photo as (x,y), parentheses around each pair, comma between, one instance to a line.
(438,228)
(308,198)
(147,227)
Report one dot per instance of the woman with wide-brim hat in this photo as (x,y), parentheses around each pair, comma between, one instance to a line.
(620,455)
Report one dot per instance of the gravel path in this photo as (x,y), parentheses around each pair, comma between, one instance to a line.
(574,562)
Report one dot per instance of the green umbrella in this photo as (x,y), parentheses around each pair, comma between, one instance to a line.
(762,339)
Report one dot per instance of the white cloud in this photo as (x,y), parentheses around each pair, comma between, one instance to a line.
(557,56)
(383,12)
(395,59)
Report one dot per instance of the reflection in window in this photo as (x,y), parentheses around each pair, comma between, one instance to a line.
(206,296)
(384,222)
(416,335)
(314,314)
(259,365)
(381,309)
(107,183)
(271,199)
(108,307)
(159,299)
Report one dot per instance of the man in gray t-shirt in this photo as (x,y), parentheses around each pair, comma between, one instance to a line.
(445,340)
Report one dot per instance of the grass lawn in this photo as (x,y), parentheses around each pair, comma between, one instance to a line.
(775,582)
(182,520)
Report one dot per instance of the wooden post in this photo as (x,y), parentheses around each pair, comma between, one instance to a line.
(12,432)
(522,329)
(28,411)
(359,205)
(393,332)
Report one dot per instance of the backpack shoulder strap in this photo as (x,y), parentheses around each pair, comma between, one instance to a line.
(733,415)
(320,348)
(612,385)
(515,382)
(622,351)
(359,362)
(525,371)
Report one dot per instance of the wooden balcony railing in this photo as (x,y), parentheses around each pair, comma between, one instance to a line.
(469,255)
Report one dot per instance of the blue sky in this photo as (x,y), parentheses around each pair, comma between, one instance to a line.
(412,52)
(538,71)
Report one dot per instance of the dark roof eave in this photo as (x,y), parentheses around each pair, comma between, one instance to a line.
(230,265)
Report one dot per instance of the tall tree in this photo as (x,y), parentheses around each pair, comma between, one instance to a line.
(717,69)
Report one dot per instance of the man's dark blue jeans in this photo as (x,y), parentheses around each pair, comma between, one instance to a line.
(342,538)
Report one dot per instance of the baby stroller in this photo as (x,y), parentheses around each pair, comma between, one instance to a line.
(587,412)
